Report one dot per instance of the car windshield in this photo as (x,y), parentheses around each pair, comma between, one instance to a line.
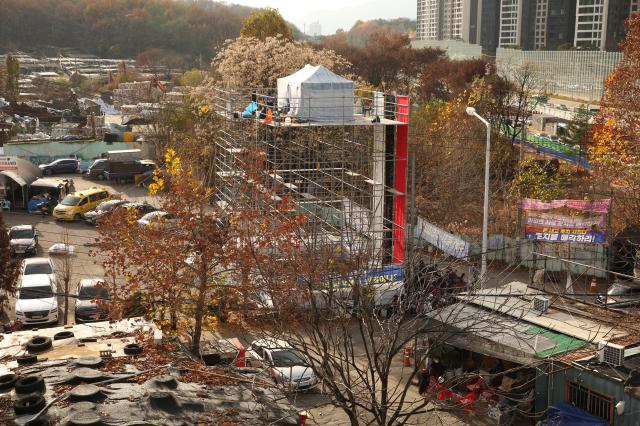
(105,207)
(39,292)
(287,358)
(92,292)
(618,290)
(38,268)
(18,234)
(70,200)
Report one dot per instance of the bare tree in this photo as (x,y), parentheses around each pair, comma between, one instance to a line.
(354,325)
(63,262)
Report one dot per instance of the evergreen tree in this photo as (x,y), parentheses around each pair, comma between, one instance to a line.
(12,86)
(578,128)
(9,268)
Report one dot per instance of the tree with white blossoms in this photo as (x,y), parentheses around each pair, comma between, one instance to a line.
(249,62)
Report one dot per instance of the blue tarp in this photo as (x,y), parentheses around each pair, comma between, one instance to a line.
(565,414)
(250,109)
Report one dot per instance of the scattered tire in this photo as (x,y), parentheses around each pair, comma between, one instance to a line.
(7,381)
(40,421)
(29,404)
(89,361)
(30,384)
(133,349)
(83,406)
(85,418)
(27,359)
(166,381)
(85,392)
(77,217)
(164,401)
(63,335)
(88,375)
(38,344)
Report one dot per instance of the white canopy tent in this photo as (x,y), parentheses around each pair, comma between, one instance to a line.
(317,94)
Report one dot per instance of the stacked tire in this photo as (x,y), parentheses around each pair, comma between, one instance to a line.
(30,392)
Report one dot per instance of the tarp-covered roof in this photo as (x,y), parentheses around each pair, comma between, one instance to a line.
(503,337)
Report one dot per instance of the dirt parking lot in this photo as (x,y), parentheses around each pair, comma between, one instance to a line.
(81,235)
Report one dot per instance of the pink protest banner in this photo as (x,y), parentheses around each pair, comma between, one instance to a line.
(561,221)
(598,206)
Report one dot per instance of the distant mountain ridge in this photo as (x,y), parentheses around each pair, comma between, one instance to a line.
(179,30)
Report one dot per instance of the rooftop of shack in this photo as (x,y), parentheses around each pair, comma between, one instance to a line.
(89,379)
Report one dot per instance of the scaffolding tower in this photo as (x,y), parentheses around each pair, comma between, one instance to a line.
(346,172)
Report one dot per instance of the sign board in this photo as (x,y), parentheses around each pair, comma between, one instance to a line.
(9,163)
(441,239)
(598,206)
(561,221)
(564,235)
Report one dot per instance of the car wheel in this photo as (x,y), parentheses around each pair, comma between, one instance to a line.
(29,404)
(30,384)
(100,176)
(38,344)
(77,217)
(48,172)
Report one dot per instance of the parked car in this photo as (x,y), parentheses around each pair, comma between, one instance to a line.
(63,165)
(102,210)
(620,295)
(97,169)
(74,205)
(89,292)
(23,239)
(37,266)
(36,301)
(287,366)
(153,219)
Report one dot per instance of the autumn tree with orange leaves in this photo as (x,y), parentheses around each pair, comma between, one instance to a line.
(615,151)
(192,266)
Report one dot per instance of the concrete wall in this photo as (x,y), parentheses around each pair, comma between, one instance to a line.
(455,49)
(40,152)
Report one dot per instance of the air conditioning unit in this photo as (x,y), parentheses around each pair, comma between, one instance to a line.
(541,304)
(611,353)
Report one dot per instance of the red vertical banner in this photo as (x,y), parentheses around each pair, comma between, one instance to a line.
(400,199)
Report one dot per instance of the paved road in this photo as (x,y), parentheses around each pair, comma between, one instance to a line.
(81,236)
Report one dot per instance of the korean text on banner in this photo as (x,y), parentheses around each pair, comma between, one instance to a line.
(598,206)
(561,221)
(443,240)
(560,235)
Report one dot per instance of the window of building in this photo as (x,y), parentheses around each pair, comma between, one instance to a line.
(593,402)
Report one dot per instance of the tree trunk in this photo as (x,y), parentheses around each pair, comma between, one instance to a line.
(199,313)
(66,301)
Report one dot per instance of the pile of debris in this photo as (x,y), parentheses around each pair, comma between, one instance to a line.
(124,372)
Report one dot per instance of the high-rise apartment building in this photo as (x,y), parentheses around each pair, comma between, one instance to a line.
(635,7)
(600,23)
(536,24)
(446,19)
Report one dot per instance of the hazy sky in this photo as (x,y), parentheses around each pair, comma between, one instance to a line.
(334,14)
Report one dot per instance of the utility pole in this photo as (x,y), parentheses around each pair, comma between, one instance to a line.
(485,211)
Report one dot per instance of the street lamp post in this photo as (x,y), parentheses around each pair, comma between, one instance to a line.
(485,211)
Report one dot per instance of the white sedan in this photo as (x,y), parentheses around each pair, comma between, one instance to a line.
(286,365)
(38,265)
